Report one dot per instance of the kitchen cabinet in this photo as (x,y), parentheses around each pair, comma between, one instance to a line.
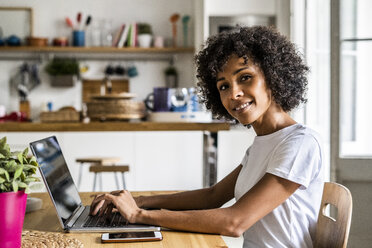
(175,165)
(159,158)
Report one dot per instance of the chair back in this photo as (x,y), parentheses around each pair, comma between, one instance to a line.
(334,232)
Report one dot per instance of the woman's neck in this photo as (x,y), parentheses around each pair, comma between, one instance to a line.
(273,120)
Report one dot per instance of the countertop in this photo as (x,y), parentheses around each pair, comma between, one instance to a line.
(112,126)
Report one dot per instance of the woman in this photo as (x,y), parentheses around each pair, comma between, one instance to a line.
(253,76)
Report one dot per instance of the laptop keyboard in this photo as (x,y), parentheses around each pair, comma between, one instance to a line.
(116,220)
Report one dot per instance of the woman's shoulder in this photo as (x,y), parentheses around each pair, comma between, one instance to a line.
(304,133)
(301,139)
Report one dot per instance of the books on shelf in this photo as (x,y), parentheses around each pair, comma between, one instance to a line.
(128,36)
(117,36)
(124,35)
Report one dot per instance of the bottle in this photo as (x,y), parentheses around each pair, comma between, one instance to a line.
(95,34)
(103,87)
(108,85)
(106,35)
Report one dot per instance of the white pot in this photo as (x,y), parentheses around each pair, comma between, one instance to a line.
(144,40)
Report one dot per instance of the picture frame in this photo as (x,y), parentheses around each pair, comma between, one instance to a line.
(16,21)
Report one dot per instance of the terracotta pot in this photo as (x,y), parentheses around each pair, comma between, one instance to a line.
(12,213)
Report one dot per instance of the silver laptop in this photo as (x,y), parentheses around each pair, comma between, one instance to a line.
(73,216)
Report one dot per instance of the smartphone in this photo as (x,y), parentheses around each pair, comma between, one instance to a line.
(131,237)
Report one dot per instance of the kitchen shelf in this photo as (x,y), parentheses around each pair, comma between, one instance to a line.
(94,53)
(112,126)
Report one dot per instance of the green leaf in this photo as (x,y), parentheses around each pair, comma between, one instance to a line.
(7,176)
(2,142)
(2,156)
(11,166)
(20,157)
(27,190)
(3,188)
(29,167)
(23,176)
(32,159)
(22,185)
(18,172)
(34,163)
(25,152)
(31,179)
(15,186)
(2,180)
(2,171)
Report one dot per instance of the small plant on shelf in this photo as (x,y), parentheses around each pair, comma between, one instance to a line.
(61,66)
(144,28)
(144,34)
(63,71)
(171,77)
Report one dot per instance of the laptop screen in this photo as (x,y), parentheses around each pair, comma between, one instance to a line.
(56,176)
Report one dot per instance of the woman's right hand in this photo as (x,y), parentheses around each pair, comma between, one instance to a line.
(121,201)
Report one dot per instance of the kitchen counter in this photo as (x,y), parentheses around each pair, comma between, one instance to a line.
(111,126)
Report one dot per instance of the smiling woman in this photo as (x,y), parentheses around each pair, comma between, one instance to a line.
(238,79)
(255,76)
(277,58)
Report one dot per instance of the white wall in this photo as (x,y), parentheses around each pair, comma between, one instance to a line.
(278,8)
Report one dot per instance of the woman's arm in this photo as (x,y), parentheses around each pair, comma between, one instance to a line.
(265,196)
(212,197)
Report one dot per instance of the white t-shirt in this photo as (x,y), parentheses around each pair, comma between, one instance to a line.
(293,153)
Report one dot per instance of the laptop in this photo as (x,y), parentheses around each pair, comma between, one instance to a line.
(72,214)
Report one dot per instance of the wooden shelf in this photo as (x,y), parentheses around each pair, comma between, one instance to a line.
(92,53)
(112,126)
(53,49)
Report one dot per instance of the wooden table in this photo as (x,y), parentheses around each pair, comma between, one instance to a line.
(46,220)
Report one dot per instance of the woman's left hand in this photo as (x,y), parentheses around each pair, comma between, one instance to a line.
(121,200)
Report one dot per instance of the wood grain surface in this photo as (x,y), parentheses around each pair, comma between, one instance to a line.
(46,220)
(111,126)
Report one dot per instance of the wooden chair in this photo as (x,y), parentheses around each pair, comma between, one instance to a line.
(334,232)
(108,168)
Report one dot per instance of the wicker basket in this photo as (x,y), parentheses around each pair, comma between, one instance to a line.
(60,116)
(116,109)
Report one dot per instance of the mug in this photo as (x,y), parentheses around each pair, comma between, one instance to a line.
(78,38)
(159,100)
(132,71)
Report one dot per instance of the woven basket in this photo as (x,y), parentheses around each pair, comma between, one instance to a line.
(37,239)
(60,116)
(116,109)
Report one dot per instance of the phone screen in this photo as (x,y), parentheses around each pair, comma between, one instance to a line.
(131,235)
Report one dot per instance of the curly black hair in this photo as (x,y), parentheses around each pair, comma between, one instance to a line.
(284,70)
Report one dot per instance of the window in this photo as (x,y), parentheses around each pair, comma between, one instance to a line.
(355,78)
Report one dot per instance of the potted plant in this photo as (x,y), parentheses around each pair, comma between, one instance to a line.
(63,71)
(17,171)
(144,34)
(171,77)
